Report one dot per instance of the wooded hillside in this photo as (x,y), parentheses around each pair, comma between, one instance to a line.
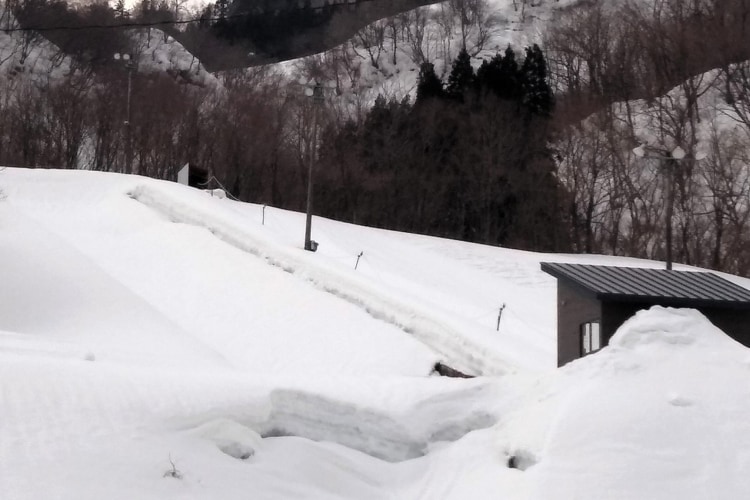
(530,147)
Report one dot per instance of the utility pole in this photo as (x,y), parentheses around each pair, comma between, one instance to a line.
(316,92)
(668,160)
(669,164)
(129,65)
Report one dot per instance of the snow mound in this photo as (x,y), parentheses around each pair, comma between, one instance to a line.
(657,414)
(666,326)
(655,338)
(230,437)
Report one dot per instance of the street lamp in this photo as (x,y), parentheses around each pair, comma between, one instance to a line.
(130,65)
(667,158)
(313,89)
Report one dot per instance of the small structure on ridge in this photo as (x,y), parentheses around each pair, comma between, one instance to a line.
(593,301)
(193,176)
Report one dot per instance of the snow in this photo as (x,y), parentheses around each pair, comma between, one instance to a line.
(160,342)
(661,406)
(159,52)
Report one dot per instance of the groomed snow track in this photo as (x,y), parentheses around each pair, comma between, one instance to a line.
(455,345)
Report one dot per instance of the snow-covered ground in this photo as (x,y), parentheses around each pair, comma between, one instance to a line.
(160,342)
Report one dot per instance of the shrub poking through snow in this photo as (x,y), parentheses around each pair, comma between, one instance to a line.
(173,472)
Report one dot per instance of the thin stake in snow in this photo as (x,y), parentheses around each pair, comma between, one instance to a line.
(263,219)
(500,315)
(358,256)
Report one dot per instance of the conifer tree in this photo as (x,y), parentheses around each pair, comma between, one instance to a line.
(509,84)
(428,83)
(537,94)
(501,76)
(461,79)
(487,74)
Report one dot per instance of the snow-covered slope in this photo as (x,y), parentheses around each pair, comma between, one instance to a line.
(149,330)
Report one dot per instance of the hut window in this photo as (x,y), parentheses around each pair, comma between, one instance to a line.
(591,339)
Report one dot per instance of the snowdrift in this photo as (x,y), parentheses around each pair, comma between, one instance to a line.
(656,415)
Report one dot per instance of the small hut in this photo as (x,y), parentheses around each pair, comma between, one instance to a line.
(193,176)
(593,301)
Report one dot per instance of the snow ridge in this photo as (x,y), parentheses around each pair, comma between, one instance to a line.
(441,334)
(391,437)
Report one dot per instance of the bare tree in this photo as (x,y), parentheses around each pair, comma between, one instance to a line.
(372,39)
(475,23)
(416,23)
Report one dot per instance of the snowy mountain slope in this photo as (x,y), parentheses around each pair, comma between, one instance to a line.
(388,67)
(519,23)
(143,322)
(28,54)
(148,253)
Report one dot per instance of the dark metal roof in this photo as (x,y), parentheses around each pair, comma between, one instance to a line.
(680,288)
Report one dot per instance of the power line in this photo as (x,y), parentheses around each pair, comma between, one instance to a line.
(147,24)
(134,24)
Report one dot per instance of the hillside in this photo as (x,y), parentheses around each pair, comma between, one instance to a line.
(484,162)
(146,324)
(164,342)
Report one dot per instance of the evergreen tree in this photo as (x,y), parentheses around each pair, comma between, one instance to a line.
(501,76)
(487,75)
(537,95)
(375,129)
(428,83)
(461,79)
(509,79)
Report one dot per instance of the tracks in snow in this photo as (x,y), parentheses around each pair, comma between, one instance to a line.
(459,349)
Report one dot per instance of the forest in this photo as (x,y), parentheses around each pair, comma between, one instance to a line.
(523,146)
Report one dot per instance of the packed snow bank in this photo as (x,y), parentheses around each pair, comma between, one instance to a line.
(93,426)
(661,414)
(393,435)
(462,349)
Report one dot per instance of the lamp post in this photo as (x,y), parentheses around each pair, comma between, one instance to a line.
(314,91)
(668,159)
(129,65)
